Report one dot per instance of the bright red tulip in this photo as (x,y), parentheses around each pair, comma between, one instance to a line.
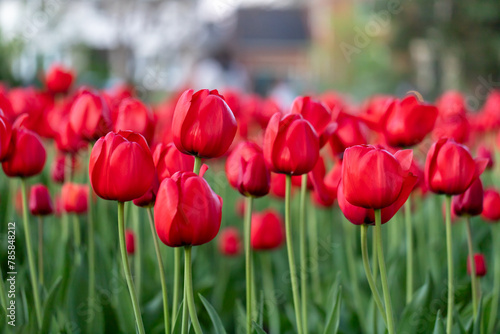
(347,134)
(278,185)
(491,205)
(480,264)
(169,160)
(267,230)
(133,115)
(59,79)
(5,136)
(230,241)
(323,194)
(291,145)
(148,199)
(187,211)
(40,203)
(450,168)
(74,197)
(130,241)
(67,140)
(203,125)
(90,116)
(121,167)
(470,202)
(246,170)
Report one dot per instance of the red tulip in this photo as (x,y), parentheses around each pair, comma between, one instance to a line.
(347,134)
(187,211)
(455,126)
(90,116)
(278,185)
(246,170)
(491,205)
(373,178)
(230,241)
(267,231)
(5,136)
(291,145)
(121,167)
(40,203)
(135,116)
(323,194)
(203,125)
(486,153)
(480,264)
(67,140)
(239,207)
(471,201)
(149,198)
(57,170)
(74,197)
(130,241)
(169,160)
(450,169)
(59,79)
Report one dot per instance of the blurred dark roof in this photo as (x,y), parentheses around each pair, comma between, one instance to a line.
(271,27)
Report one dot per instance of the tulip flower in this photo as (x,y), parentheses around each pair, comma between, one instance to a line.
(491,205)
(67,140)
(130,241)
(59,79)
(203,125)
(480,264)
(74,197)
(135,116)
(348,133)
(40,203)
(471,201)
(169,160)
(267,230)
(5,136)
(486,153)
(325,190)
(246,170)
(90,116)
(278,185)
(230,242)
(148,199)
(58,169)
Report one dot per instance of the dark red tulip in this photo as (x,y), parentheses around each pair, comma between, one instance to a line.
(57,170)
(169,160)
(486,153)
(203,125)
(187,211)
(133,115)
(316,113)
(387,177)
(291,145)
(450,168)
(491,205)
(130,241)
(74,197)
(246,170)
(347,134)
(40,203)
(121,166)
(59,79)
(90,116)
(230,241)
(480,264)
(5,136)
(267,231)
(471,201)
(148,199)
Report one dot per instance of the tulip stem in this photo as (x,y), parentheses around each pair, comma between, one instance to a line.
(409,251)
(188,290)
(303,253)
(91,247)
(248,260)
(31,261)
(40,248)
(197,165)
(177,284)
(162,272)
(314,255)
(269,292)
(383,272)
(291,256)
(374,258)
(368,272)
(449,248)
(138,252)
(126,268)
(472,268)
(496,279)
(76,232)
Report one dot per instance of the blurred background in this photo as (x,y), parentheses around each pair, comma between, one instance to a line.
(277,48)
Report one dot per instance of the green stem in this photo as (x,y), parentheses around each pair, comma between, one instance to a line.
(91,247)
(197,165)
(383,273)
(126,268)
(449,248)
(76,232)
(138,252)
(312,228)
(374,258)
(303,253)
(31,260)
(3,293)
(188,290)
(272,303)
(162,272)
(248,261)
(368,272)
(496,280)
(472,267)
(40,248)
(177,284)
(409,251)
(291,256)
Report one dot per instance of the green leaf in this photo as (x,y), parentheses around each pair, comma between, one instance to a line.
(418,310)
(48,309)
(332,324)
(177,321)
(439,326)
(476,329)
(219,328)
(258,329)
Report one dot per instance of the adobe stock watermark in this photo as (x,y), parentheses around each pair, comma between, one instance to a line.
(40,18)
(377,23)
(481,92)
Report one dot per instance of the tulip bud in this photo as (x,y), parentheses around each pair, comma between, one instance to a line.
(230,241)
(130,241)
(203,125)
(59,79)
(480,264)
(187,211)
(121,167)
(74,197)
(471,201)
(89,115)
(316,113)
(133,115)
(169,160)
(267,231)
(40,203)
(491,205)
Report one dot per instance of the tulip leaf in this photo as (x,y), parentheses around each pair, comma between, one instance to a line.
(177,321)
(476,329)
(418,310)
(439,326)
(333,319)
(258,329)
(260,320)
(48,309)
(219,328)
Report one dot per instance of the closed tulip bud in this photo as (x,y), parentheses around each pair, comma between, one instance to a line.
(58,168)
(59,79)
(230,241)
(316,113)
(246,170)
(121,167)
(74,197)
(133,115)
(89,115)
(491,205)
(130,241)
(389,176)
(5,136)
(291,145)
(450,168)
(40,203)
(169,160)
(408,121)
(187,211)
(267,231)
(480,264)
(471,201)
(203,125)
